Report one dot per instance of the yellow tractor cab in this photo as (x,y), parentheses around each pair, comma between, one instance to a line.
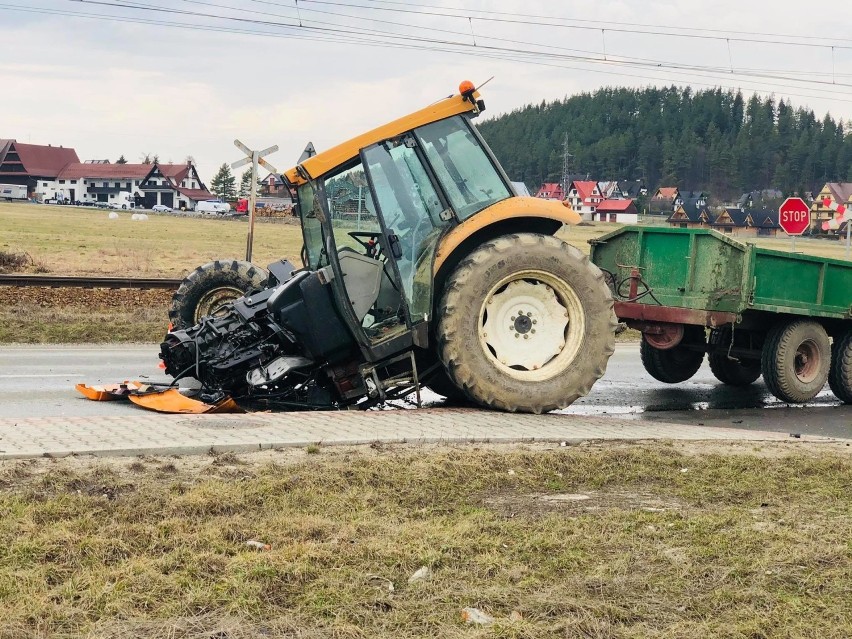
(420,266)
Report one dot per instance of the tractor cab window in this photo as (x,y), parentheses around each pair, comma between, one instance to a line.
(312,215)
(412,212)
(465,170)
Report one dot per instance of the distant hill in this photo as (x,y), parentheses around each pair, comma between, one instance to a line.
(713,140)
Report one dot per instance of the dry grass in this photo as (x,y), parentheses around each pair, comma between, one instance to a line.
(671,542)
(77,241)
(33,324)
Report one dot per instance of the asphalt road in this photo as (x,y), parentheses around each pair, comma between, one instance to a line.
(38,381)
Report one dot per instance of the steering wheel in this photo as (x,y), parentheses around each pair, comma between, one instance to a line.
(372,248)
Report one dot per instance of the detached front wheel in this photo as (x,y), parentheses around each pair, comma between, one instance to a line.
(527,324)
(204,291)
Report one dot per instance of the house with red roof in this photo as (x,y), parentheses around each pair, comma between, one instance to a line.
(584,196)
(172,185)
(622,211)
(551,191)
(33,165)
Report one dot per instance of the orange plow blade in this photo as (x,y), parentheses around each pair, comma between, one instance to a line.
(171,401)
(108,392)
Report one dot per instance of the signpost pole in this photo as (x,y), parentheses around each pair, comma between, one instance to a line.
(848,236)
(254,158)
(252,204)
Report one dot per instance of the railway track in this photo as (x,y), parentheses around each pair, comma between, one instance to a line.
(62,281)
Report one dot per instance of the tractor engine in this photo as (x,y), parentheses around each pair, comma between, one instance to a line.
(266,343)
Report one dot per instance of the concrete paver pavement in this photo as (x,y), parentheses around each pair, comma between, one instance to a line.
(152,433)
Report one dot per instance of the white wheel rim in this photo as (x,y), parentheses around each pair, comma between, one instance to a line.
(531,325)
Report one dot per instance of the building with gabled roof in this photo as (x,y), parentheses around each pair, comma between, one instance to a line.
(551,191)
(584,197)
(32,165)
(172,185)
(691,213)
(838,192)
(622,211)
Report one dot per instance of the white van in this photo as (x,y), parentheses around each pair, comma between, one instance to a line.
(213,207)
(124,201)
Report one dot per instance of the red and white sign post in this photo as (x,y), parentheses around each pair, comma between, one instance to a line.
(841,215)
(794,216)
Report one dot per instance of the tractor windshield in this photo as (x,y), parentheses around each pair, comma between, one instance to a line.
(467,173)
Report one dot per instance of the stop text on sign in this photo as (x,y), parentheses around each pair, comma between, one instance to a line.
(794,216)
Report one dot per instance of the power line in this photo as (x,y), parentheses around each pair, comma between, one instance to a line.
(350,38)
(702,71)
(521,19)
(466,12)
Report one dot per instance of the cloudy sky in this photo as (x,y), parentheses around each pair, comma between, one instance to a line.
(186,77)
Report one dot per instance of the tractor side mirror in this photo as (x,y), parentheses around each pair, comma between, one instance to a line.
(395,248)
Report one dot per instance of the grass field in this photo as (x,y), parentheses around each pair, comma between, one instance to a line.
(690,541)
(76,241)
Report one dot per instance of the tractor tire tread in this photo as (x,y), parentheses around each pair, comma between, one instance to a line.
(776,351)
(453,347)
(840,373)
(233,273)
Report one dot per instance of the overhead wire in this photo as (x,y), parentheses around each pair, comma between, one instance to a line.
(702,71)
(618,28)
(356,36)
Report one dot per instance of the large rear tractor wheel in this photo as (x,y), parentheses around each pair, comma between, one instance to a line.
(730,371)
(795,361)
(441,383)
(204,291)
(840,375)
(676,364)
(526,324)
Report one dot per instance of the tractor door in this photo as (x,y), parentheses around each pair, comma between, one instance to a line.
(413,215)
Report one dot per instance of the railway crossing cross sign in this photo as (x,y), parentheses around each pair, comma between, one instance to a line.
(794,216)
(254,158)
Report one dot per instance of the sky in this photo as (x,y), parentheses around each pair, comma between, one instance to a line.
(127,80)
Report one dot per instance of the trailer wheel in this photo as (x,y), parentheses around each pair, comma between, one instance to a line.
(840,374)
(208,287)
(796,359)
(526,324)
(729,371)
(677,364)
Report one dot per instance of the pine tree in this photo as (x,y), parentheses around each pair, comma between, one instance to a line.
(224,184)
(245,183)
(121,160)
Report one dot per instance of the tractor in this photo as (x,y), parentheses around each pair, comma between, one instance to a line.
(420,267)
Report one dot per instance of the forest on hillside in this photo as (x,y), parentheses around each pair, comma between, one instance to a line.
(712,140)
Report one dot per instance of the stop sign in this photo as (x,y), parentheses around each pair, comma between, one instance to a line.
(794,216)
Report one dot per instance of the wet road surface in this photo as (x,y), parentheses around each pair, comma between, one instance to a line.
(38,381)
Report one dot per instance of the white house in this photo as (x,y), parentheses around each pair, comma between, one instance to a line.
(174,185)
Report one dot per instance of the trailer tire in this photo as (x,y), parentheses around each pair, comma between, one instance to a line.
(726,370)
(795,361)
(208,287)
(674,365)
(840,374)
(526,324)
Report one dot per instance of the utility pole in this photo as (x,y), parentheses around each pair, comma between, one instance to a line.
(254,158)
(567,162)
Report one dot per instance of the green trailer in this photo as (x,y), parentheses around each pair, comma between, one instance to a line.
(782,315)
